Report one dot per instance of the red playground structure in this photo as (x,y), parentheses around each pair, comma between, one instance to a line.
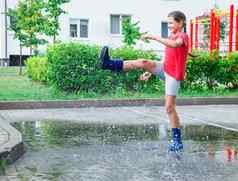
(216,30)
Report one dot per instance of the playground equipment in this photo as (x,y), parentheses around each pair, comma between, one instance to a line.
(217,30)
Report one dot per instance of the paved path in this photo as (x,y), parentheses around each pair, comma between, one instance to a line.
(219,115)
(4,137)
(225,116)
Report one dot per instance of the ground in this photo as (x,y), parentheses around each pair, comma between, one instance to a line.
(124,143)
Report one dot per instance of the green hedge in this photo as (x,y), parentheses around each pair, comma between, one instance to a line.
(37,68)
(75,67)
(204,71)
(128,53)
(229,71)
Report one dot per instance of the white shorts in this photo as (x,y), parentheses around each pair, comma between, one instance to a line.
(172,85)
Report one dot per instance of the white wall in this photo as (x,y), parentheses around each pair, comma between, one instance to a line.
(13,45)
(225,4)
(2,30)
(150,13)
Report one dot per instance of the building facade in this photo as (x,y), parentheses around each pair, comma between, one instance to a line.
(100,22)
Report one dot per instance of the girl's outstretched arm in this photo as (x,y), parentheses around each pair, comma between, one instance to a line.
(167,42)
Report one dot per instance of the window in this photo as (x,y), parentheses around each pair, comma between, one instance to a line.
(73,30)
(83,28)
(185,28)
(78,28)
(164,30)
(126,17)
(116,23)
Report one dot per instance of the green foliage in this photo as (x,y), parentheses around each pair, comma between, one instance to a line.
(75,67)
(54,10)
(223,24)
(131,32)
(223,32)
(28,22)
(206,29)
(229,70)
(72,66)
(210,72)
(37,68)
(129,53)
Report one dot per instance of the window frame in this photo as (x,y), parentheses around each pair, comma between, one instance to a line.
(164,22)
(74,32)
(84,19)
(120,23)
(77,21)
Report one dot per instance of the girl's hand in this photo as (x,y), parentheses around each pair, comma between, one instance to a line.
(147,37)
(145,76)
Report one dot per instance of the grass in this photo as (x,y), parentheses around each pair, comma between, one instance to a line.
(19,87)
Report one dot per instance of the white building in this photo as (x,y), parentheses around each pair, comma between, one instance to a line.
(99,22)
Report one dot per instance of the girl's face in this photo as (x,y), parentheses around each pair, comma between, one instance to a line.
(174,26)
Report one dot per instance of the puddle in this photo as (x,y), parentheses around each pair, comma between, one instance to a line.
(101,152)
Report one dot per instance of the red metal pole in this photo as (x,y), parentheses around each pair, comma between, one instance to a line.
(196,33)
(231,27)
(212,31)
(218,32)
(215,33)
(237,30)
(191,35)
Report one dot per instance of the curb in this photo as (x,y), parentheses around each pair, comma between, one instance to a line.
(13,148)
(120,102)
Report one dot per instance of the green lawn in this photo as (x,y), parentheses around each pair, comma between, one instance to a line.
(16,87)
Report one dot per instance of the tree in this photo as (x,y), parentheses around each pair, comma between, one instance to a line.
(33,20)
(131,32)
(18,35)
(27,23)
(54,10)
(206,27)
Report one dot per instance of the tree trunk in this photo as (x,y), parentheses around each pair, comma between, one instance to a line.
(20,71)
(54,39)
(30,50)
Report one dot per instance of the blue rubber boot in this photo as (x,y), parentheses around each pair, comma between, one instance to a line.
(176,144)
(106,63)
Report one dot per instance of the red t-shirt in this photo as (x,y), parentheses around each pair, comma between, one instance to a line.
(175,58)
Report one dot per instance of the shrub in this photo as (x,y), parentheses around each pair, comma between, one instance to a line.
(37,68)
(129,53)
(75,67)
(229,71)
(204,71)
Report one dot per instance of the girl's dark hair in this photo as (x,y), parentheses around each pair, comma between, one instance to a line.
(178,16)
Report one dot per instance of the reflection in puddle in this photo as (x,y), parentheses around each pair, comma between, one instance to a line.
(102,152)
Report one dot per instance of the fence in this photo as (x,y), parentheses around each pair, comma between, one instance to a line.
(217,30)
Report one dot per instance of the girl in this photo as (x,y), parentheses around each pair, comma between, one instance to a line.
(171,69)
